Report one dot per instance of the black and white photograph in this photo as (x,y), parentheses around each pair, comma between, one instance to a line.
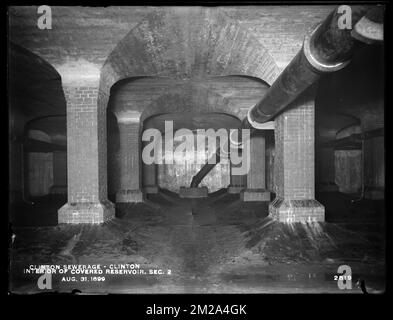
(196,149)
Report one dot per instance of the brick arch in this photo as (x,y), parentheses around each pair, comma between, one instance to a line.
(197,99)
(196,43)
(148,96)
(169,103)
(188,43)
(48,101)
(330,123)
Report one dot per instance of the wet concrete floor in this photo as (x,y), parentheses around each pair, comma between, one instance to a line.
(212,245)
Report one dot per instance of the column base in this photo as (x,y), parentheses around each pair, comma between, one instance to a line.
(129,196)
(254,195)
(199,192)
(55,189)
(86,212)
(150,189)
(308,210)
(235,189)
(327,187)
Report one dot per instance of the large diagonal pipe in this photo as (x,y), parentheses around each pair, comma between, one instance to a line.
(327,49)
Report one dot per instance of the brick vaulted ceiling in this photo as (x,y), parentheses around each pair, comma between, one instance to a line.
(232,95)
(357,91)
(101,38)
(92,33)
(34,85)
(35,95)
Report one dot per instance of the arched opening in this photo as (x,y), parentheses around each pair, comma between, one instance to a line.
(37,150)
(126,70)
(195,105)
(140,79)
(172,175)
(350,138)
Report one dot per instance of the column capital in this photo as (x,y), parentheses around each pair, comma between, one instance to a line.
(129,116)
(79,73)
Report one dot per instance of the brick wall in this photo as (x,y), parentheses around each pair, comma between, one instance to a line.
(279,28)
(294,156)
(130,167)
(180,173)
(269,160)
(86,157)
(60,168)
(256,175)
(102,101)
(374,162)
(149,173)
(348,175)
(40,171)
(294,164)
(236,179)
(82,144)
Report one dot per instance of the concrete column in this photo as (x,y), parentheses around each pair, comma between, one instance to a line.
(294,164)
(59,173)
(373,158)
(327,170)
(150,178)
(270,168)
(374,168)
(236,181)
(86,157)
(130,159)
(40,176)
(256,176)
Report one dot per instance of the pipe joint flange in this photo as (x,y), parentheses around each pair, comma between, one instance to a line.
(315,63)
(258,125)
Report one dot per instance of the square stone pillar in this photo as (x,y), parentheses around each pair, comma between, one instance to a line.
(256,180)
(149,177)
(86,157)
(236,181)
(374,168)
(294,164)
(130,159)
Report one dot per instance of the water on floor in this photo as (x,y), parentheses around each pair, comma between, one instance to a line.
(213,245)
